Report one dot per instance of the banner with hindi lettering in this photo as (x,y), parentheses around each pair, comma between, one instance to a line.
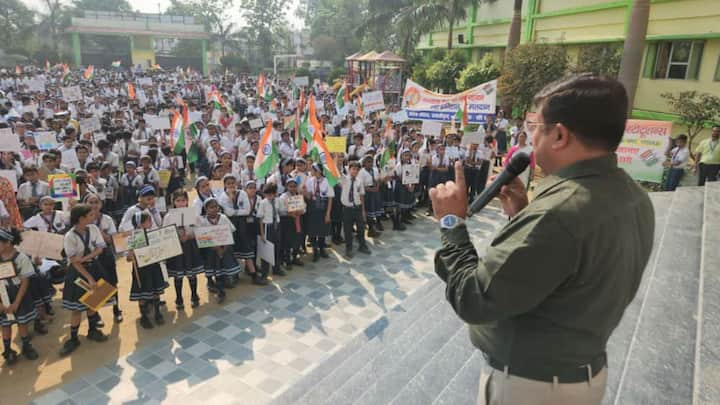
(642,150)
(423,104)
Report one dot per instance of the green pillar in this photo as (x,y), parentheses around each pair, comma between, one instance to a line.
(132,51)
(532,9)
(469,40)
(77,55)
(204,58)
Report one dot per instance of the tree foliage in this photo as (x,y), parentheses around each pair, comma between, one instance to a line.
(601,59)
(16,24)
(527,69)
(478,73)
(444,73)
(266,20)
(696,110)
(235,63)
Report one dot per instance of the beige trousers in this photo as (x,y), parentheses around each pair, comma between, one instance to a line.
(499,388)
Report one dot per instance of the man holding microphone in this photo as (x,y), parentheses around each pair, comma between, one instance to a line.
(555,281)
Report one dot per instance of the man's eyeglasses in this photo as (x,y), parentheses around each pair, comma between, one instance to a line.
(530,127)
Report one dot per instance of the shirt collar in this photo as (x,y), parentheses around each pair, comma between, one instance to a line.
(583,168)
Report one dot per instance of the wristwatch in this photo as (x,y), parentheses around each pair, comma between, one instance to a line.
(451,221)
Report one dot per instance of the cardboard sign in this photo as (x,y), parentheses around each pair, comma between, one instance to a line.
(213,235)
(163,244)
(164,175)
(45,140)
(145,81)
(266,250)
(7,270)
(63,186)
(400,116)
(432,128)
(11,175)
(91,124)
(302,81)
(411,174)
(296,203)
(72,93)
(373,101)
(9,142)
(359,128)
(97,297)
(42,244)
(336,144)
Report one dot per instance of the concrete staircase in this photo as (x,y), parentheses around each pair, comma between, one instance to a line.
(666,350)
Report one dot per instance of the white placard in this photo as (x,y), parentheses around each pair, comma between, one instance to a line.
(472,137)
(163,243)
(268,116)
(432,128)
(302,81)
(400,116)
(296,203)
(194,116)
(45,140)
(145,81)
(213,235)
(37,85)
(181,216)
(266,250)
(70,159)
(359,128)
(155,122)
(373,101)
(91,124)
(9,142)
(411,173)
(72,93)
(256,123)
(11,175)
(5,298)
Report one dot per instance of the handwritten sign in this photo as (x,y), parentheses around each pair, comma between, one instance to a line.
(256,123)
(164,177)
(155,122)
(71,93)
(36,85)
(213,235)
(296,203)
(45,140)
(301,81)
(181,216)
(70,159)
(91,124)
(11,176)
(7,270)
(411,174)
(9,142)
(358,128)
(163,243)
(63,186)
(266,250)
(336,144)
(42,244)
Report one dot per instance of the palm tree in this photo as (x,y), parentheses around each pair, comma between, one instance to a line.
(223,35)
(514,36)
(455,11)
(633,49)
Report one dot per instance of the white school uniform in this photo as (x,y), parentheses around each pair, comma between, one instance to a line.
(24,191)
(59,222)
(126,223)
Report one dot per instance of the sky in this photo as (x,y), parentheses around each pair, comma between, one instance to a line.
(152,6)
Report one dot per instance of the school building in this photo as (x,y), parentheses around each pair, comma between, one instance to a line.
(682,51)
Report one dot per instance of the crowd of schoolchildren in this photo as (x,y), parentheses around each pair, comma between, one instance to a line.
(117,168)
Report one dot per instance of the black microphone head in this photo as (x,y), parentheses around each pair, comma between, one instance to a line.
(518,163)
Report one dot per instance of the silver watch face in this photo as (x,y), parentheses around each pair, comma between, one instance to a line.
(449,221)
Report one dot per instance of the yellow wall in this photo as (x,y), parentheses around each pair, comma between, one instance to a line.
(684,17)
(593,26)
(491,35)
(546,6)
(142,51)
(649,90)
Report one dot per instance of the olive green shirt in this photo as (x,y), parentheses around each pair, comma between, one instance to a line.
(710,151)
(556,279)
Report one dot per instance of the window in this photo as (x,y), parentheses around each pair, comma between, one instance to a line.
(674,60)
(717,71)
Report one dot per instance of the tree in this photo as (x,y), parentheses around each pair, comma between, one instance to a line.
(265,19)
(454,12)
(80,6)
(53,24)
(633,49)
(443,74)
(213,14)
(527,69)
(476,74)
(399,23)
(235,63)
(696,111)
(514,35)
(600,59)
(16,24)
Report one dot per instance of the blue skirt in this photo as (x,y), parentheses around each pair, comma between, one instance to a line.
(188,264)
(26,311)
(147,282)
(374,206)
(219,266)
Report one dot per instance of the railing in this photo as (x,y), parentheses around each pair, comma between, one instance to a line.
(141,17)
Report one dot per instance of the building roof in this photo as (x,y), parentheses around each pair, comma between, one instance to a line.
(368,57)
(388,56)
(354,56)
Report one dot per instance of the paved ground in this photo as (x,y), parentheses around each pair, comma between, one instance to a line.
(249,350)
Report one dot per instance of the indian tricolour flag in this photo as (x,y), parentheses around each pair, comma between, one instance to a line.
(89,72)
(462,114)
(260,85)
(267,157)
(341,98)
(66,73)
(116,64)
(131,91)
(324,157)
(177,134)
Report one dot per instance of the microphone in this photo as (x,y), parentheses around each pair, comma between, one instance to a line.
(518,163)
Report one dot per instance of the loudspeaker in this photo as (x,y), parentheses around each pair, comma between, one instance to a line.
(461,39)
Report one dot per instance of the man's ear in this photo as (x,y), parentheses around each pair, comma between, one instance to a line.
(562,137)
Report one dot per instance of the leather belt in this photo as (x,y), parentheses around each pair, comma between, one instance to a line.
(578,374)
